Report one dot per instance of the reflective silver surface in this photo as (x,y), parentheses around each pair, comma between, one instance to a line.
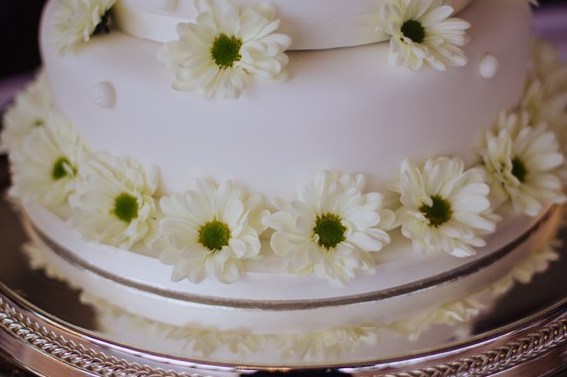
(534,346)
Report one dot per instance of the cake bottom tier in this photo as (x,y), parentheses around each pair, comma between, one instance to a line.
(424,317)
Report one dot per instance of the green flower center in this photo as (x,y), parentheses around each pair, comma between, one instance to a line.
(214,235)
(413,30)
(519,170)
(439,212)
(61,169)
(126,207)
(226,51)
(330,230)
(38,122)
(104,24)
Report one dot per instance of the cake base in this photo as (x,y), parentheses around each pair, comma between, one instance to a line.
(44,328)
(462,300)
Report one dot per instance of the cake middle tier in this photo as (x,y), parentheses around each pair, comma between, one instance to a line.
(345,109)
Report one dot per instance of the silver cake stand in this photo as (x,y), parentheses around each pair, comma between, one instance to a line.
(45,329)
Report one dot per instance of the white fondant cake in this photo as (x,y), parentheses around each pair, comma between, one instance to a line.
(304,181)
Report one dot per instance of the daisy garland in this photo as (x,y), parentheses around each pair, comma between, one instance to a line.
(422,32)
(29,111)
(332,229)
(444,207)
(549,68)
(522,162)
(546,106)
(114,201)
(225,47)
(211,231)
(545,97)
(76,21)
(44,167)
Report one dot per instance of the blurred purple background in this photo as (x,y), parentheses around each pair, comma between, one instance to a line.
(19,21)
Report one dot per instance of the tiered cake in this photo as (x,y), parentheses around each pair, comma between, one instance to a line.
(299,181)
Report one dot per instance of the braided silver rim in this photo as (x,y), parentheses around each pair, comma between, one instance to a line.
(60,346)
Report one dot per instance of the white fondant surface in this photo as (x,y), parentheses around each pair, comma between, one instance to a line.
(103,94)
(488,67)
(344,109)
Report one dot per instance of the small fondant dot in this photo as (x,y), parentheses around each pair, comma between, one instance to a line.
(489,66)
(168,5)
(104,94)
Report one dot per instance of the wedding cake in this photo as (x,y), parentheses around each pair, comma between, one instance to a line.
(294,181)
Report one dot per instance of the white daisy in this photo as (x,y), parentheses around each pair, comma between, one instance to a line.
(545,98)
(44,166)
(114,201)
(547,106)
(421,32)
(522,163)
(549,67)
(331,229)
(224,48)
(444,207)
(30,110)
(211,232)
(76,21)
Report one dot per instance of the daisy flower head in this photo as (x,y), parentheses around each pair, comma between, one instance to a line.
(76,21)
(225,47)
(30,109)
(114,202)
(545,97)
(547,106)
(549,67)
(522,162)
(331,229)
(422,32)
(211,231)
(44,167)
(444,207)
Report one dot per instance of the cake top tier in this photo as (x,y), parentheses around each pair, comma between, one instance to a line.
(312,24)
